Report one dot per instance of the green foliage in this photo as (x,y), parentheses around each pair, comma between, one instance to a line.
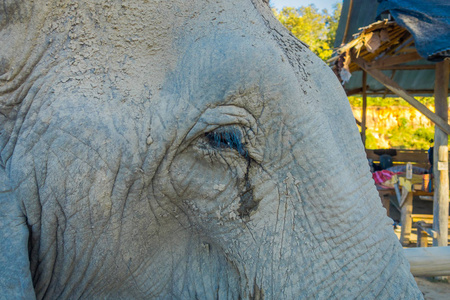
(371,141)
(402,136)
(315,28)
(333,22)
(405,137)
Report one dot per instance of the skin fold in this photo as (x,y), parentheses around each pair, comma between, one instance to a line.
(181,150)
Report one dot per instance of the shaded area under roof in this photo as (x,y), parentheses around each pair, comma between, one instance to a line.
(354,15)
(361,13)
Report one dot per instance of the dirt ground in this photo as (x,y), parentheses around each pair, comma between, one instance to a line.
(433,290)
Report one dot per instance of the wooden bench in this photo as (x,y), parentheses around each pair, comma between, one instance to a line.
(423,217)
(418,158)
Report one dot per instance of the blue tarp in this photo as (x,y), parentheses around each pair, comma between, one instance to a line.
(427,20)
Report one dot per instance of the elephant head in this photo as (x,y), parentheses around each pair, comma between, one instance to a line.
(181,149)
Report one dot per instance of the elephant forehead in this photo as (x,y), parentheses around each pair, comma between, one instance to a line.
(228,68)
(221,65)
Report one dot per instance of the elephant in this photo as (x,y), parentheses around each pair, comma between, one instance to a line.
(181,150)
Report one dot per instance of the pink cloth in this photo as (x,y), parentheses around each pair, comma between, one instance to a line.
(382,176)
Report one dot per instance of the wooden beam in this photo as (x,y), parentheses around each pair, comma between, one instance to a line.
(386,90)
(347,23)
(431,92)
(408,67)
(400,155)
(358,91)
(440,157)
(393,60)
(354,92)
(434,261)
(394,87)
(364,108)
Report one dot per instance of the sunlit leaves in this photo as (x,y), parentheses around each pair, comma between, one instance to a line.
(315,28)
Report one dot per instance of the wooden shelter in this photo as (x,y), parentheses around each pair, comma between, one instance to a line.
(405,53)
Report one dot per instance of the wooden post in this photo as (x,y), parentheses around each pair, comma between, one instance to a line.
(406,220)
(364,108)
(349,14)
(422,238)
(422,235)
(440,157)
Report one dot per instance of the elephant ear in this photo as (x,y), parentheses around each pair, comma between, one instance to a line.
(15,276)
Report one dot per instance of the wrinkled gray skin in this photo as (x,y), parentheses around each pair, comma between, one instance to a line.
(113,188)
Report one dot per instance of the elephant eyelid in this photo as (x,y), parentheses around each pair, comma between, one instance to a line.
(227,138)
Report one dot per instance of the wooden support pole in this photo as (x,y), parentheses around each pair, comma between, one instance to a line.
(440,157)
(349,14)
(433,261)
(422,234)
(406,220)
(422,238)
(364,108)
(394,87)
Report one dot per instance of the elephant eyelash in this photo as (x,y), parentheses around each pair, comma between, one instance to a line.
(227,138)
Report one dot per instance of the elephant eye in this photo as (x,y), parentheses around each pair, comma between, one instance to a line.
(227,138)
